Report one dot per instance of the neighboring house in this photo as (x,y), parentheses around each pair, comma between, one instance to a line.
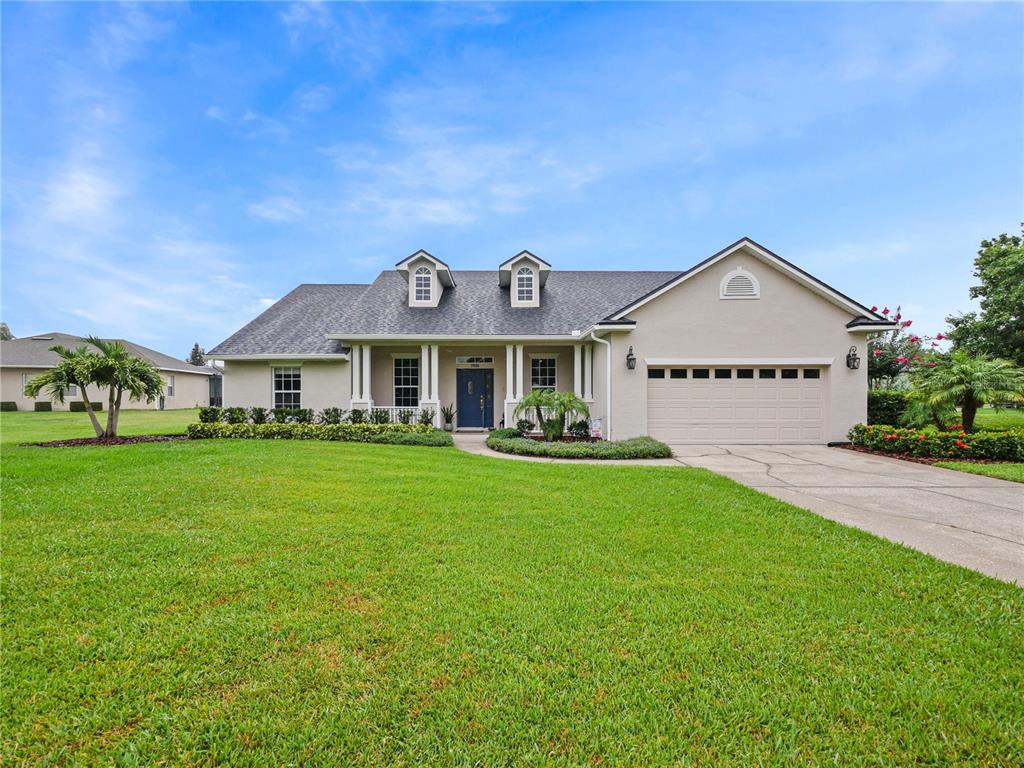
(744,347)
(185,385)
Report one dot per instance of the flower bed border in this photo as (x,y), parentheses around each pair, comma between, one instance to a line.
(393,434)
(637,448)
(1001,446)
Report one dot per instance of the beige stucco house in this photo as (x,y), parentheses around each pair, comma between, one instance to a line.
(185,385)
(744,347)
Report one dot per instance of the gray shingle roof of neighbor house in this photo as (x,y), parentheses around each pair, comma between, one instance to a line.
(297,324)
(476,306)
(34,352)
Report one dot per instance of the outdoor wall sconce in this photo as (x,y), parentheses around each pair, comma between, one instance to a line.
(852,361)
(630,360)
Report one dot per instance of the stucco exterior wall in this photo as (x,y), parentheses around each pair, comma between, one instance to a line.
(691,321)
(190,390)
(250,383)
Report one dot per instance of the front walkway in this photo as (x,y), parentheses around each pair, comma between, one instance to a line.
(970,520)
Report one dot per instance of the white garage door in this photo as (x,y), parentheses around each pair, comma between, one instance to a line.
(736,405)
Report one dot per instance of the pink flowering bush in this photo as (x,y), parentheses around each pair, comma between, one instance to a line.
(1002,446)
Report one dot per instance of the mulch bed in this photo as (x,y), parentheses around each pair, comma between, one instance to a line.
(921,459)
(563,439)
(131,440)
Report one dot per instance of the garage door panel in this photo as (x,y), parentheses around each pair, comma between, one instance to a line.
(736,410)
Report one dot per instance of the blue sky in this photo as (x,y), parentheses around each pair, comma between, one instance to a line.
(170,170)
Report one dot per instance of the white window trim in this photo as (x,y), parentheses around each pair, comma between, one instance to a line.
(417,273)
(552,358)
(170,386)
(525,271)
(274,390)
(419,379)
(733,273)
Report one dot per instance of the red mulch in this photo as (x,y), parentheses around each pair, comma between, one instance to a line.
(920,459)
(131,440)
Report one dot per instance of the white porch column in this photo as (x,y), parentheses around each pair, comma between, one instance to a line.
(510,380)
(520,391)
(577,378)
(367,393)
(356,358)
(588,372)
(435,391)
(426,394)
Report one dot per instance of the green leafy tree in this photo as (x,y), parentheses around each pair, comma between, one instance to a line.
(998,329)
(198,355)
(965,382)
(77,367)
(5,332)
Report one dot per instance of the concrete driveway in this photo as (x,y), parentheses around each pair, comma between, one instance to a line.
(974,521)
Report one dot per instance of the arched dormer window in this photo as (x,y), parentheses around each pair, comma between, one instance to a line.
(421,284)
(740,284)
(524,284)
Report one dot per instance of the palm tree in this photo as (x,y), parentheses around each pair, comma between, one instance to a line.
(120,372)
(559,404)
(77,367)
(967,383)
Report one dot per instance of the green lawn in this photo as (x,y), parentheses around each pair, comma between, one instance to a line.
(285,603)
(29,426)
(1007,471)
(1005,418)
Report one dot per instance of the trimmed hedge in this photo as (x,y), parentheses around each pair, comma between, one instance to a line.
(1002,446)
(435,438)
(356,433)
(635,448)
(886,406)
(8,405)
(43,405)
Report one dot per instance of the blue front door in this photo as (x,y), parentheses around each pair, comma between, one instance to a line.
(475,400)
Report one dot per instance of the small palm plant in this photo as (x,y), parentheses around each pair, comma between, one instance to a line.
(558,404)
(967,382)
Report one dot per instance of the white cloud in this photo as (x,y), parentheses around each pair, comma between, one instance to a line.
(216,113)
(279,210)
(313,98)
(127,31)
(80,195)
(261,125)
(354,35)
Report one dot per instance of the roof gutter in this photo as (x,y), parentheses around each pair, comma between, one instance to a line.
(277,356)
(423,337)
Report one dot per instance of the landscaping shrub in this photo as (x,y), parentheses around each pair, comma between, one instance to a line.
(76,406)
(579,428)
(435,438)
(357,416)
(427,416)
(358,433)
(405,416)
(258,415)
(235,415)
(524,426)
(886,406)
(332,415)
(303,415)
(8,405)
(210,414)
(380,416)
(283,415)
(505,434)
(635,448)
(43,405)
(1002,446)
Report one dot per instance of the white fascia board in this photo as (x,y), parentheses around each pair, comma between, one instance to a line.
(281,357)
(873,328)
(407,337)
(767,257)
(752,362)
(48,367)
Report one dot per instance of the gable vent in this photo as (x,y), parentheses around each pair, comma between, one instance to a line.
(740,284)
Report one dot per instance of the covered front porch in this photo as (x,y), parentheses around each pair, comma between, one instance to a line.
(483,382)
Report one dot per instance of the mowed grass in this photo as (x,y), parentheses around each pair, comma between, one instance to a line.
(283,603)
(1005,471)
(32,427)
(1004,418)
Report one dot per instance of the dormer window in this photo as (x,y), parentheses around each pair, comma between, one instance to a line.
(524,284)
(422,286)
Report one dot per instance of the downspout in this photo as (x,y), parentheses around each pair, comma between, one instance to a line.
(608,382)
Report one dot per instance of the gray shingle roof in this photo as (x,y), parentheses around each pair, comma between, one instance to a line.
(34,351)
(477,305)
(297,324)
